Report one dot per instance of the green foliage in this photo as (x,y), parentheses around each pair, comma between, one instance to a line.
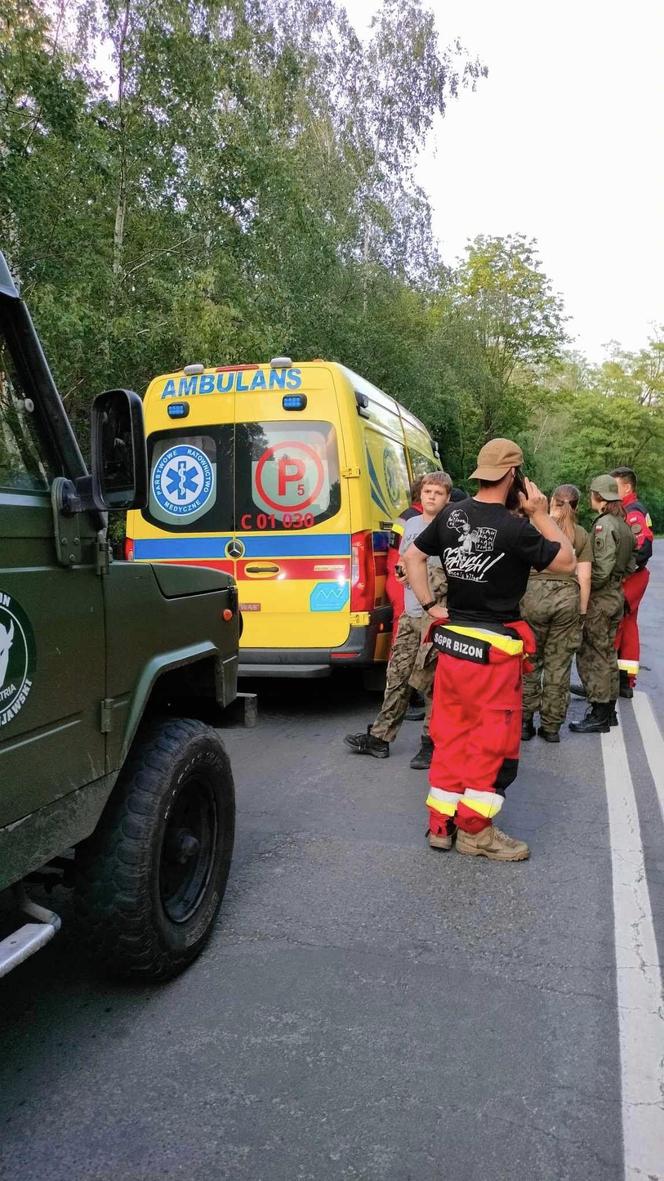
(503,290)
(236,178)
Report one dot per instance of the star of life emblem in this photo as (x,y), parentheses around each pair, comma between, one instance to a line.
(182,480)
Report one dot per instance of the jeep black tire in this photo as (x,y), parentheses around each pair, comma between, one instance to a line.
(150,879)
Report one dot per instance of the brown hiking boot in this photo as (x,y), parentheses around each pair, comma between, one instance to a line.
(439,840)
(491,843)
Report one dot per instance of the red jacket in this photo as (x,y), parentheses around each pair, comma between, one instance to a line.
(638,519)
(393,588)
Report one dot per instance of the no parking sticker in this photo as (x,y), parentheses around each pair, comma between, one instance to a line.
(290,476)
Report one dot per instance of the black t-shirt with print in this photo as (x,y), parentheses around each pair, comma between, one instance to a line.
(487,553)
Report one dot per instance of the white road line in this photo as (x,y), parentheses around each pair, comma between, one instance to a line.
(652,741)
(638,975)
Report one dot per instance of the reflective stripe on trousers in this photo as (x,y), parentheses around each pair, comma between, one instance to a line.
(476,729)
(627,640)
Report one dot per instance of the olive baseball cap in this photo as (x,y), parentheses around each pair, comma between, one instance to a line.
(606,487)
(496,458)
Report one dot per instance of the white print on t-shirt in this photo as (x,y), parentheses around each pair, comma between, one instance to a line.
(473,555)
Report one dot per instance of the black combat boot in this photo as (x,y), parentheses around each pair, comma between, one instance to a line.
(422,759)
(527,728)
(578,690)
(596,720)
(626,689)
(548,735)
(366,744)
(613,714)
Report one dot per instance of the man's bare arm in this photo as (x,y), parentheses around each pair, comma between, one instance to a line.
(535,507)
(415,564)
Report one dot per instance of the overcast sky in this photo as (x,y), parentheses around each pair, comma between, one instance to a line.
(563,142)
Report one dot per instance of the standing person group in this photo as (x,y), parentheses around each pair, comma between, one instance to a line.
(505,592)
(593,614)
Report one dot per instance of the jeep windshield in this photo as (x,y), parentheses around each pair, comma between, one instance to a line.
(22,458)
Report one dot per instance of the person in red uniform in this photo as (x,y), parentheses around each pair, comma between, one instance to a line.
(634,586)
(487,552)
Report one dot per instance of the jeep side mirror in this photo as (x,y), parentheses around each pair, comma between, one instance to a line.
(119,454)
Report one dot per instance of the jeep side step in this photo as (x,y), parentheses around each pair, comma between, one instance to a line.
(29,938)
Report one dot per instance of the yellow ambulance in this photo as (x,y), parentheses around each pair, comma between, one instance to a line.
(287,476)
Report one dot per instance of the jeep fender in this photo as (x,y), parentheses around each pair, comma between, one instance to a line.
(166,663)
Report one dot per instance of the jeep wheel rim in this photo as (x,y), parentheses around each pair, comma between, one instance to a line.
(188,848)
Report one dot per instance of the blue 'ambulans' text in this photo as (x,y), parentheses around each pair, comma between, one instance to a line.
(232,382)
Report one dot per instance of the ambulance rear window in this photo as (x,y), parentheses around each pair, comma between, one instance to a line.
(253,476)
(286,475)
(191,487)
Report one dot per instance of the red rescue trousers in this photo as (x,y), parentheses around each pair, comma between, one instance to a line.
(476,730)
(627,637)
(394,591)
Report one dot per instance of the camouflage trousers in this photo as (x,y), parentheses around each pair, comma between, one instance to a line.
(551,607)
(400,669)
(597,659)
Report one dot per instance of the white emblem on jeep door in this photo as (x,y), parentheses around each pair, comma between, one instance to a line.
(6,641)
(17,658)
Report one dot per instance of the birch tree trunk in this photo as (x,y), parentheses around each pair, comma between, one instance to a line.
(121,206)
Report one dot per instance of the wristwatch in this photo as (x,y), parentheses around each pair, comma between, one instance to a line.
(428,606)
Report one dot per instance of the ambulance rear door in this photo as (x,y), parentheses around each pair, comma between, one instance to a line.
(291,516)
(190,436)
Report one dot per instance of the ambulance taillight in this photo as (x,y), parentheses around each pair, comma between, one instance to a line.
(363,574)
(128,549)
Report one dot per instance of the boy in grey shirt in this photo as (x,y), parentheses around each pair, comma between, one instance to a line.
(435,494)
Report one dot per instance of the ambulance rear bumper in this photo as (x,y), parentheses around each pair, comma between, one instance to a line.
(357,652)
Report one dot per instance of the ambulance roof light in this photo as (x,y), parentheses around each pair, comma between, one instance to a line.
(280,363)
(193,369)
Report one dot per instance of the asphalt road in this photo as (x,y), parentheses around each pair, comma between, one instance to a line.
(368,1008)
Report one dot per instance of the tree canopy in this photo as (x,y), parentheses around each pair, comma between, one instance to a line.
(223,180)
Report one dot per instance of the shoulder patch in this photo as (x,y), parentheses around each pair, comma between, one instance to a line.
(598,528)
(636,528)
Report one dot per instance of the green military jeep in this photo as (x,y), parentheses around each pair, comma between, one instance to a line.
(111,780)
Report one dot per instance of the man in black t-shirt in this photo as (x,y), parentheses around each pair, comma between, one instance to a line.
(487,552)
